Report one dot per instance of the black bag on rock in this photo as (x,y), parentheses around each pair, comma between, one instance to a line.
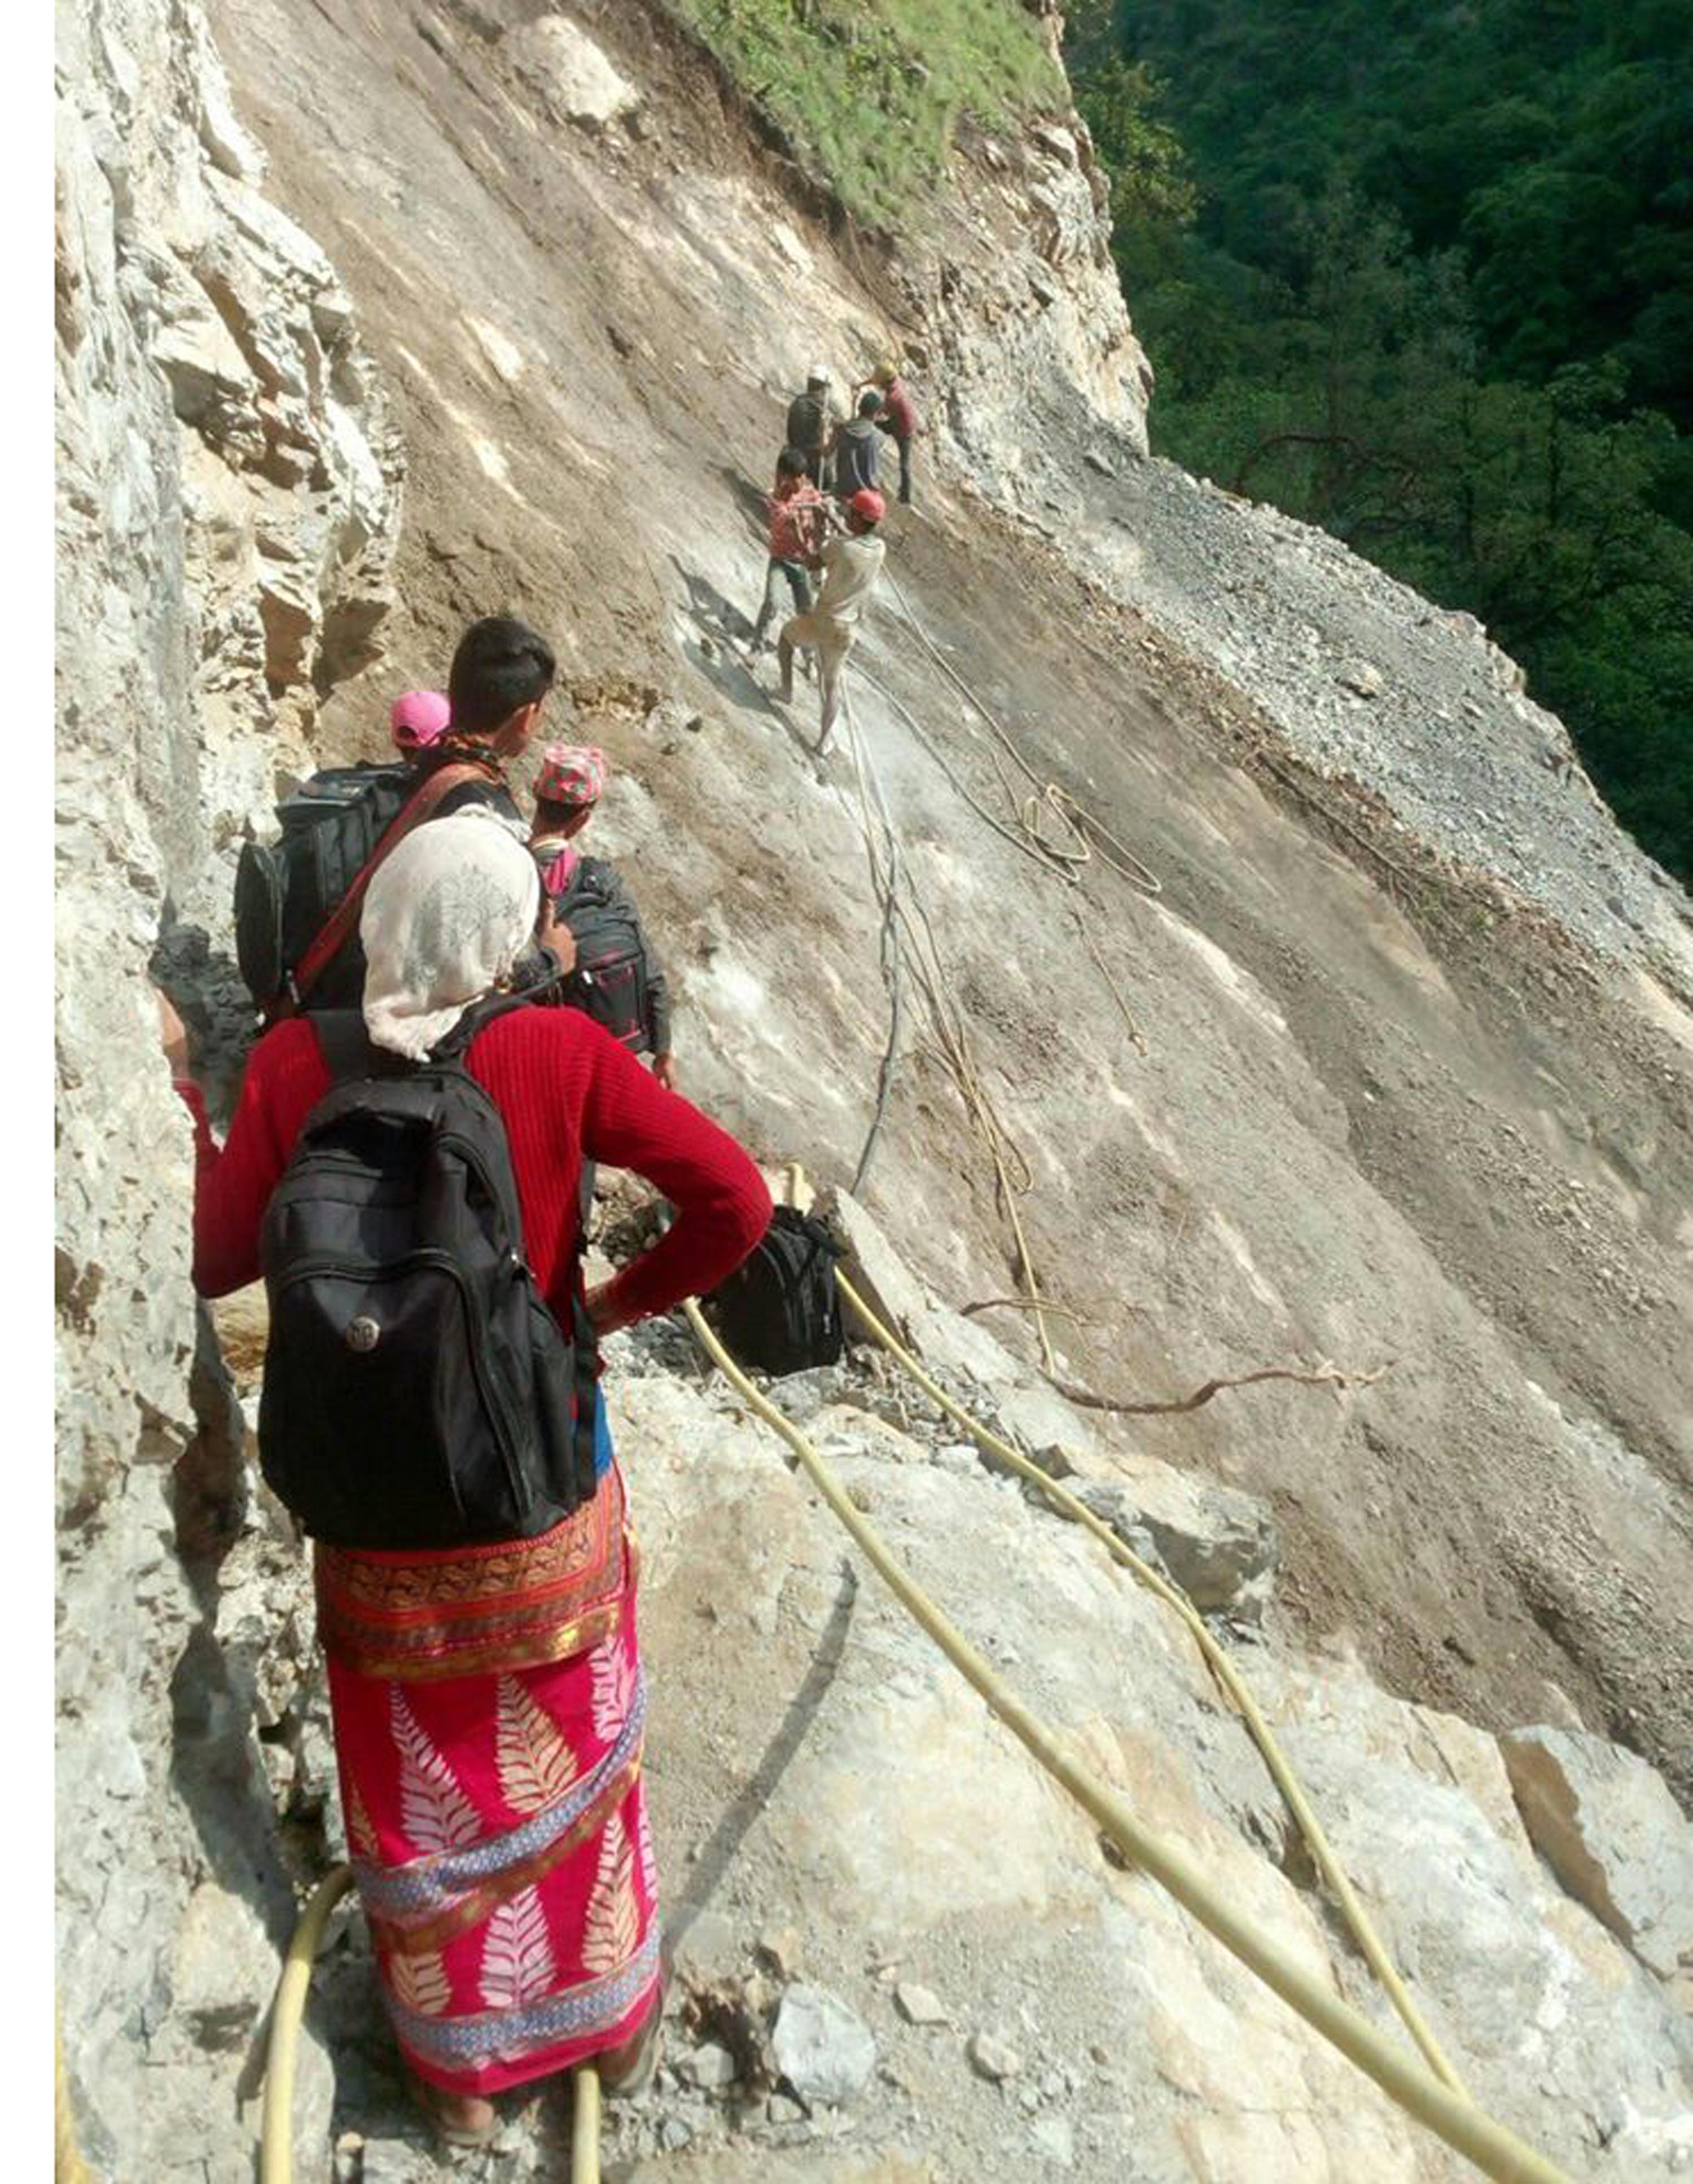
(418,1391)
(781,1310)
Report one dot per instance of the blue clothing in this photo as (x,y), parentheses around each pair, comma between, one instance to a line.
(602,1436)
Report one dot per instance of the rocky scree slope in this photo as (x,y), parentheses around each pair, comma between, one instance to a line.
(1286,1163)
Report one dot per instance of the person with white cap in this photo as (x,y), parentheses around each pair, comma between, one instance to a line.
(812,419)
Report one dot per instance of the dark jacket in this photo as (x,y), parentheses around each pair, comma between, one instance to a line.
(856,449)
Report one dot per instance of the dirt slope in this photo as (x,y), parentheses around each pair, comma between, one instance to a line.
(1376,1118)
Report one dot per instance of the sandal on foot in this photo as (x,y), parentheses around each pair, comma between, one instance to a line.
(458,2118)
(626,2071)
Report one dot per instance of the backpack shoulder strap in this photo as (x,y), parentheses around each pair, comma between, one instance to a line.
(344,1043)
(454,1045)
(340,922)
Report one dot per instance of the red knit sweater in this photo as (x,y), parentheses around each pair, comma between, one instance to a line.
(566,1090)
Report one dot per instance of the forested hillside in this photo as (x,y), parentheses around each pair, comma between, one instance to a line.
(1425,276)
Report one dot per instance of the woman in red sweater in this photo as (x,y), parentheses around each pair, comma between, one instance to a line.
(489,1701)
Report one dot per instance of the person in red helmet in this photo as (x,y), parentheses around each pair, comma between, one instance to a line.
(850,566)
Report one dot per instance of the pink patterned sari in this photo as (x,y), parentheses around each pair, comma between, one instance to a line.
(489,1708)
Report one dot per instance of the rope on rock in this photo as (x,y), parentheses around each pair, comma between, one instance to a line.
(68,2165)
(1082,823)
(276,2130)
(1323,1376)
(1435,2101)
(1222,1667)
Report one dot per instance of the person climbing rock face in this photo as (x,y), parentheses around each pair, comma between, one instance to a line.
(896,417)
(812,419)
(488,1698)
(851,566)
(856,447)
(795,535)
(616,979)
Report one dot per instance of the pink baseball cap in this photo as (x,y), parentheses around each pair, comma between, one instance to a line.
(419,718)
(573,774)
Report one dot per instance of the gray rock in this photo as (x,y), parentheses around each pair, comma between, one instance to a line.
(823,2049)
(871,1264)
(570,73)
(1609,1828)
(919,2005)
(1218,1543)
(1362,678)
(708,2068)
(1054,2139)
(992,2057)
(392,2161)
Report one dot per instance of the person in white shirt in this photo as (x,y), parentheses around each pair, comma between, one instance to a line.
(850,566)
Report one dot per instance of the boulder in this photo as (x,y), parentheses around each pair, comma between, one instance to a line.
(1610,1830)
(570,74)
(1218,1543)
(872,1265)
(825,2051)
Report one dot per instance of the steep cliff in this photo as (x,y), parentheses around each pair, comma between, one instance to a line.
(1407,1090)
(227,503)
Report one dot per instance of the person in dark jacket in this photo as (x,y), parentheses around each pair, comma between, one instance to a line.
(616,979)
(812,419)
(856,447)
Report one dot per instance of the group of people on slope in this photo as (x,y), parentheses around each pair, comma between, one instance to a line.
(488,1697)
(824,516)
(841,450)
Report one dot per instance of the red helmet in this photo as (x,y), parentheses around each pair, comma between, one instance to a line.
(869,503)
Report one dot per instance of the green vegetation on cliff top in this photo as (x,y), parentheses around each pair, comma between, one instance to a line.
(872,92)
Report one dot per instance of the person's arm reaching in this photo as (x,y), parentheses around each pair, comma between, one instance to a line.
(285,1076)
(628,1120)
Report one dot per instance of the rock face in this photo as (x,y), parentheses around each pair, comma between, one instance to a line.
(227,493)
(226,504)
(1038,316)
(1607,1827)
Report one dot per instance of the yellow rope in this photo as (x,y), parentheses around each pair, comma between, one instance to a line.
(275,2133)
(584,2127)
(68,2165)
(1495,2151)
(1216,1659)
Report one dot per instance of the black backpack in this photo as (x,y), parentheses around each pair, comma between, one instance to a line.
(779,1309)
(418,1391)
(284,892)
(297,900)
(609,983)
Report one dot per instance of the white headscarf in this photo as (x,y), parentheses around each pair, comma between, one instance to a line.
(444,919)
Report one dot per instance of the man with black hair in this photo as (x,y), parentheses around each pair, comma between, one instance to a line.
(311,896)
(501,675)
